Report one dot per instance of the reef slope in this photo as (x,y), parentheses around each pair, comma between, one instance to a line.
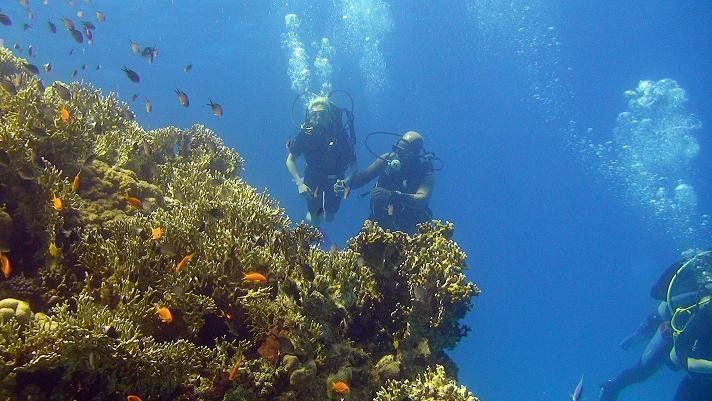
(139,263)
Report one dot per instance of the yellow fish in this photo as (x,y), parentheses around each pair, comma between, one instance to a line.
(183,262)
(164,314)
(57,203)
(5,265)
(53,250)
(75,182)
(254,277)
(156,233)
(340,387)
(64,115)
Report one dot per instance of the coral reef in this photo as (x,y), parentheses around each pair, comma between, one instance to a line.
(140,263)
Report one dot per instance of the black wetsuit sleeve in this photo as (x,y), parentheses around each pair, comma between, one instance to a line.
(298,146)
(659,289)
(364,177)
(701,330)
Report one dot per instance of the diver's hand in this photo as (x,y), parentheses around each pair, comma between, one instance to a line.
(340,186)
(304,190)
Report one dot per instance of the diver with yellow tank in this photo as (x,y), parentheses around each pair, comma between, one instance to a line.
(681,328)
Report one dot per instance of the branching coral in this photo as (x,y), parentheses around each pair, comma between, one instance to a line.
(433,385)
(157,271)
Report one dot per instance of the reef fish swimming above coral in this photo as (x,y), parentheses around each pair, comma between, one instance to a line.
(97,307)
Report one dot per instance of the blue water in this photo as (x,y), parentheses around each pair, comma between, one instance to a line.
(520,99)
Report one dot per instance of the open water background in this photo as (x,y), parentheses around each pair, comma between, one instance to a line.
(519,99)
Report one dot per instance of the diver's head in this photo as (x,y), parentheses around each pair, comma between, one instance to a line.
(319,112)
(409,146)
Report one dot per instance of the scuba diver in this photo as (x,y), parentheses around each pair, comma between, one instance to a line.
(327,145)
(679,284)
(691,325)
(399,200)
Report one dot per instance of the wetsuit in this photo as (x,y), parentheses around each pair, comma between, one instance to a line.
(327,153)
(399,201)
(657,350)
(696,342)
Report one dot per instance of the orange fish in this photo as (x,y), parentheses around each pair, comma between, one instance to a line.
(57,203)
(133,398)
(75,182)
(5,265)
(135,202)
(164,314)
(64,114)
(156,233)
(235,369)
(254,277)
(183,262)
(340,387)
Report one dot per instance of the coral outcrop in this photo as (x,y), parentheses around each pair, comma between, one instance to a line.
(140,263)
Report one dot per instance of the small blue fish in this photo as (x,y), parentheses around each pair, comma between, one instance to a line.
(576,395)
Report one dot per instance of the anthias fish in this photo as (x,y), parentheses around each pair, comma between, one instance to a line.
(254,277)
(57,203)
(5,265)
(164,314)
(340,387)
(183,262)
(76,182)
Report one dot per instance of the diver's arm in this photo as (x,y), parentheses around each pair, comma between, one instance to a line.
(419,199)
(702,366)
(293,169)
(357,180)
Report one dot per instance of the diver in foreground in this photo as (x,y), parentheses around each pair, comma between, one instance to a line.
(683,283)
(328,149)
(691,325)
(399,200)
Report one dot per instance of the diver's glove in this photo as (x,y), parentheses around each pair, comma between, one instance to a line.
(303,189)
(341,185)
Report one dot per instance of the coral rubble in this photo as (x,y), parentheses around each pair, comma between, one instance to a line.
(139,263)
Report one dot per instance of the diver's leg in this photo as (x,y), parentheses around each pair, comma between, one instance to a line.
(314,203)
(331,202)
(651,360)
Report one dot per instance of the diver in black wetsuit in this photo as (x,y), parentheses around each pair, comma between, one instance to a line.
(692,332)
(688,282)
(399,200)
(328,148)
